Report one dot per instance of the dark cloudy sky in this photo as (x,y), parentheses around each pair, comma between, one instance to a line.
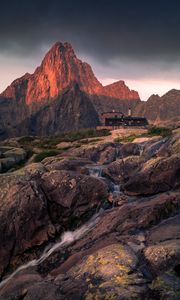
(137,41)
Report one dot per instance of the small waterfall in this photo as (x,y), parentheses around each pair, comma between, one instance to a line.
(95,171)
(116,189)
(141,148)
(67,238)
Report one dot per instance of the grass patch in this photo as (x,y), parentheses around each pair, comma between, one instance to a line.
(83,134)
(152,131)
(163,131)
(46,153)
(26,140)
(125,139)
(51,142)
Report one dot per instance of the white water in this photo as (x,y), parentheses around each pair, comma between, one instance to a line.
(67,238)
(116,188)
(141,148)
(95,171)
(116,192)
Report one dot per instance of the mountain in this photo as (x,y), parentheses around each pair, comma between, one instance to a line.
(59,68)
(119,90)
(161,110)
(62,94)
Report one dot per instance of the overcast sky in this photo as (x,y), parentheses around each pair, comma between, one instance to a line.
(136,41)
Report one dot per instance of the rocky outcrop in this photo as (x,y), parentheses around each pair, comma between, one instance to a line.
(161,110)
(11,157)
(157,175)
(127,252)
(59,69)
(119,90)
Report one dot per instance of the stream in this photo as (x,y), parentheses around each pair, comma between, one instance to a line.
(69,237)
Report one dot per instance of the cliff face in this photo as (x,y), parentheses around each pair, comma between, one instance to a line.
(161,110)
(58,70)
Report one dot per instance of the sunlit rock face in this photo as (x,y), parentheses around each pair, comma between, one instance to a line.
(58,70)
(62,95)
(119,90)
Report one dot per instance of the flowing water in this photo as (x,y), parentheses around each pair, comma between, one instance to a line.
(116,189)
(141,148)
(67,238)
(95,171)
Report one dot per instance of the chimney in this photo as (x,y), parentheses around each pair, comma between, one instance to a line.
(129,112)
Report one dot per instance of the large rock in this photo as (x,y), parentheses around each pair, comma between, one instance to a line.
(71,164)
(71,195)
(121,170)
(166,286)
(166,230)
(10,157)
(164,255)
(101,154)
(24,218)
(110,273)
(157,175)
(130,149)
(152,149)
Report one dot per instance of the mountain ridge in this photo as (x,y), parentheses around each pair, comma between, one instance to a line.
(59,68)
(38,103)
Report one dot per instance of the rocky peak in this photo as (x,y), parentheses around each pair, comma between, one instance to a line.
(172,94)
(58,70)
(119,90)
(154,97)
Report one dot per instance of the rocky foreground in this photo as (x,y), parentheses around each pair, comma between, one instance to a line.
(128,197)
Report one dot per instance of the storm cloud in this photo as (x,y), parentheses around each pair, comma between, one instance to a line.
(130,39)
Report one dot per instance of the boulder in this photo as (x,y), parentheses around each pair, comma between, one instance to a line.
(29,225)
(110,273)
(9,157)
(72,195)
(101,154)
(71,164)
(164,255)
(18,154)
(121,170)
(166,286)
(130,149)
(64,145)
(157,175)
(166,230)
(152,149)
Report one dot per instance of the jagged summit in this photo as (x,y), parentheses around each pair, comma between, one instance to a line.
(58,70)
(119,88)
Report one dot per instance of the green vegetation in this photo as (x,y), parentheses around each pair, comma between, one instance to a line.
(82,134)
(152,131)
(52,141)
(163,131)
(46,153)
(125,139)
(26,140)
